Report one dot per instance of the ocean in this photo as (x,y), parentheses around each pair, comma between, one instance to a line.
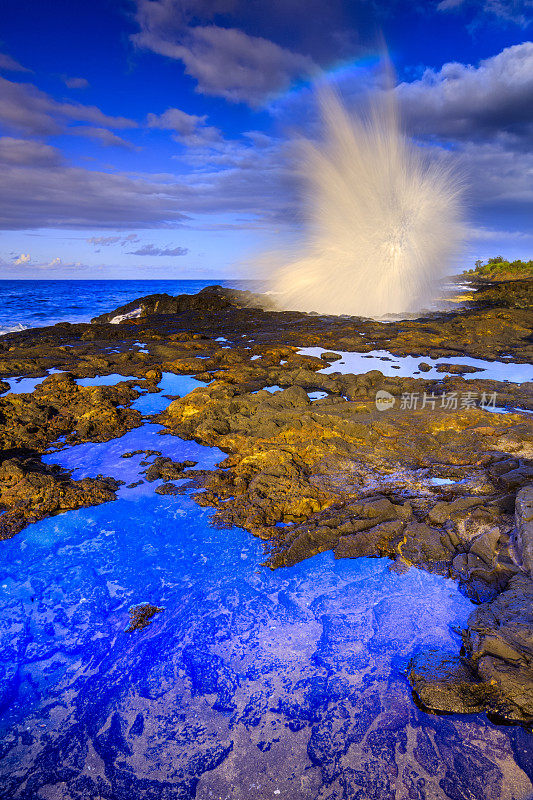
(32,304)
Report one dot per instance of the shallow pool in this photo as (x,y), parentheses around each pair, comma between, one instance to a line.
(249,684)
(391,365)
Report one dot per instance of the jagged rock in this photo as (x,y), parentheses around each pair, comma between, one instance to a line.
(524,527)
(210,298)
(443,511)
(445,682)
(496,673)
(499,642)
(485,546)
(31,490)
(379,540)
(167,469)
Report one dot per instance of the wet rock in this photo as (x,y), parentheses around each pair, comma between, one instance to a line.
(141,616)
(445,682)
(516,478)
(170,489)
(524,527)
(166,469)
(507,294)
(210,298)
(485,546)
(380,540)
(499,643)
(457,369)
(496,674)
(423,545)
(30,491)
(443,511)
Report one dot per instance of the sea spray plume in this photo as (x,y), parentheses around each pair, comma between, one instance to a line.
(383,221)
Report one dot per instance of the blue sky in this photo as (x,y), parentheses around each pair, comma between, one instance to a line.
(152,138)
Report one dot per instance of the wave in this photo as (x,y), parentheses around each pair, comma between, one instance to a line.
(14,329)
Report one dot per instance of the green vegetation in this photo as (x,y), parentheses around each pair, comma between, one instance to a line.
(498,268)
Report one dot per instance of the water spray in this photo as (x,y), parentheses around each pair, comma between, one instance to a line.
(383,220)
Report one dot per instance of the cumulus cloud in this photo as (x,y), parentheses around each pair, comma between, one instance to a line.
(187,127)
(76,83)
(24,258)
(224,61)
(252,177)
(498,176)
(26,108)
(247,177)
(152,250)
(465,102)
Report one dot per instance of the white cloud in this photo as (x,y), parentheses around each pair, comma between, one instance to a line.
(187,127)
(26,108)
(224,61)
(24,258)
(466,102)
(103,136)
(23,152)
(491,234)
(71,197)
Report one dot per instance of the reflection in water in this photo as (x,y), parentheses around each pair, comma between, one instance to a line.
(393,366)
(250,684)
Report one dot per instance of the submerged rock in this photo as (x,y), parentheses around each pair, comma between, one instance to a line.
(141,616)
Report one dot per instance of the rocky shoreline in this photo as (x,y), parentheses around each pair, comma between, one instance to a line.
(443,488)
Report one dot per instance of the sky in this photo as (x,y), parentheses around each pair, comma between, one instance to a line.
(155,138)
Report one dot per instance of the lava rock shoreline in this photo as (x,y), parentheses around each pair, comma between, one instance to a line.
(332,474)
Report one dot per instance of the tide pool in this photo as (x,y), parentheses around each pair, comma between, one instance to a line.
(391,365)
(250,683)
